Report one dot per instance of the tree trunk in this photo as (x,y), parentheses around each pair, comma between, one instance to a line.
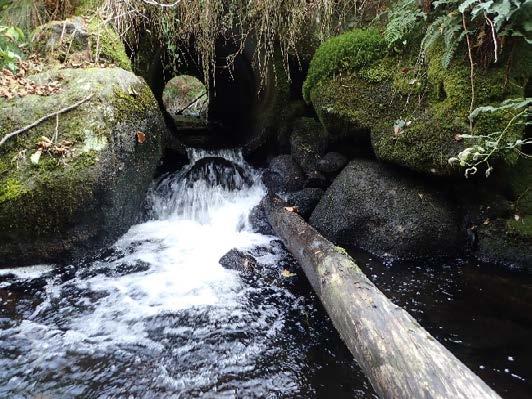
(399,357)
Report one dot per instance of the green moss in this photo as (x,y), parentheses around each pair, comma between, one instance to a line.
(348,52)
(92,41)
(86,7)
(430,105)
(107,44)
(128,104)
(11,189)
(521,227)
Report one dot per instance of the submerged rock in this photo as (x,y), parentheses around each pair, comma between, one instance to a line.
(217,171)
(63,196)
(283,175)
(238,260)
(373,207)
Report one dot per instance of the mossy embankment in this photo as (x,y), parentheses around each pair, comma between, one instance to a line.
(414,115)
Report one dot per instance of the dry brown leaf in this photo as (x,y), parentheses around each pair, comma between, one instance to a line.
(141,137)
(287,274)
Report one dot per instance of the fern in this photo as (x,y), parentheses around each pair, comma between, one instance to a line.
(448,28)
(403,19)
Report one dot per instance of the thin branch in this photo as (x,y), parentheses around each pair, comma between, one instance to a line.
(191,104)
(44,118)
(472,70)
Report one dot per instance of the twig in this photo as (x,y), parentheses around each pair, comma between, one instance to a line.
(44,118)
(191,104)
(56,132)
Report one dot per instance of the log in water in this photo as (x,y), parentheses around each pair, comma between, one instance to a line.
(399,357)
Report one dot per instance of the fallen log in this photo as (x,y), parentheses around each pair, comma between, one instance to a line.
(398,356)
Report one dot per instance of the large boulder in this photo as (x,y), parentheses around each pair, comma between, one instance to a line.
(76,182)
(371,206)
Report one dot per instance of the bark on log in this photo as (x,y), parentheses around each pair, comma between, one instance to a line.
(399,357)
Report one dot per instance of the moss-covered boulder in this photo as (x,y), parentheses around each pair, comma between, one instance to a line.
(75,182)
(414,113)
(80,41)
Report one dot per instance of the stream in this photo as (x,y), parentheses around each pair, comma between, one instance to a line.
(157,316)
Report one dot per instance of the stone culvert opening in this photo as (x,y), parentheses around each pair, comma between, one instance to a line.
(240,108)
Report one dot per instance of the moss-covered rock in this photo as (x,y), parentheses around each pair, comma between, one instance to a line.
(349,51)
(62,206)
(78,41)
(415,114)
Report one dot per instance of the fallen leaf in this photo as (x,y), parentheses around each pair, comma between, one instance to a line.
(287,274)
(141,137)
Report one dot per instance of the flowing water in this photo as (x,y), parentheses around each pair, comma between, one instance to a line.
(157,316)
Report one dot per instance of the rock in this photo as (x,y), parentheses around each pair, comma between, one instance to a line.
(283,175)
(238,260)
(76,42)
(305,200)
(375,208)
(332,163)
(371,91)
(498,215)
(66,206)
(506,242)
(259,222)
(217,171)
(308,143)
(316,179)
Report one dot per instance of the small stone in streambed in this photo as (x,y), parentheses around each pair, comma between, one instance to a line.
(283,175)
(305,200)
(237,260)
(331,163)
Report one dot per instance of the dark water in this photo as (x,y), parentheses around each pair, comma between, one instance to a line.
(481,313)
(157,316)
